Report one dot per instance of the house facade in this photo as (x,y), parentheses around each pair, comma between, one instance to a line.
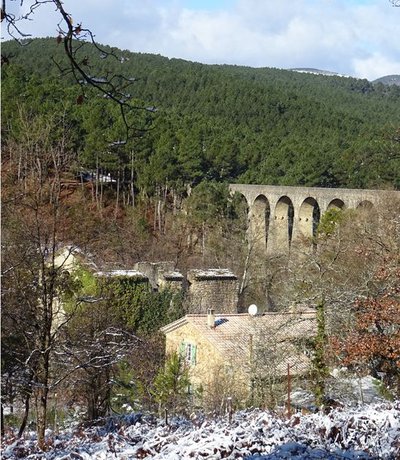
(228,352)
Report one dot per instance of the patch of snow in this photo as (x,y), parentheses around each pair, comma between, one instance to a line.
(362,433)
(353,390)
(116,273)
(173,276)
(211,273)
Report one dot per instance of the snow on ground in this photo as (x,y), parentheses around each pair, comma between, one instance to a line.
(369,432)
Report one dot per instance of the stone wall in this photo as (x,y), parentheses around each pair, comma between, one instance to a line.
(212,372)
(155,271)
(173,281)
(212,288)
(203,289)
(206,355)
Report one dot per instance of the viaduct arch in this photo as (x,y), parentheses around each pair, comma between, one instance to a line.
(280,215)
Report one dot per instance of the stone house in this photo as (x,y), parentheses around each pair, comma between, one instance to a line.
(227,352)
(68,260)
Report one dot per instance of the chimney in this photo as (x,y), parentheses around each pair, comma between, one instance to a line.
(210,318)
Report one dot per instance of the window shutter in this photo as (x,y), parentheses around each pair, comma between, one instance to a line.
(194,350)
(182,350)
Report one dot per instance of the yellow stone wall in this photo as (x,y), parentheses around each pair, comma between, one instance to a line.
(215,375)
(206,356)
(65,259)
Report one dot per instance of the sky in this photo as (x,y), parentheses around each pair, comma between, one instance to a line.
(360,38)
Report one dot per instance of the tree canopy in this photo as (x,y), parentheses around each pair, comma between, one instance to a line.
(213,122)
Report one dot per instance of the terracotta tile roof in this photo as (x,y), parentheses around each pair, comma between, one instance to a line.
(242,337)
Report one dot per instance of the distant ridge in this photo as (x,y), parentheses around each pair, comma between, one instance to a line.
(317,71)
(385,80)
(389,80)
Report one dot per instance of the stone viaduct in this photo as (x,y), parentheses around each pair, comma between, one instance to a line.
(280,215)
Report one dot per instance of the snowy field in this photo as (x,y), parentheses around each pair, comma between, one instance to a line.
(369,432)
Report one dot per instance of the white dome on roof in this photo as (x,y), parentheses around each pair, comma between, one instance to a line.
(253,310)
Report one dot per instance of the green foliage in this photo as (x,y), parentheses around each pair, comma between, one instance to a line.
(383,390)
(208,202)
(87,280)
(171,385)
(329,221)
(12,420)
(83,284)
(138,307)
(126,295)
(158,309)
(214,123)
(127,391)
(133,304)
(320,368)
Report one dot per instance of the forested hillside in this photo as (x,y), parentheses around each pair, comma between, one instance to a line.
(223,123)
(73,180)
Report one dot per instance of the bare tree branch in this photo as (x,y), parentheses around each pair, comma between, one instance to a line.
(75,39)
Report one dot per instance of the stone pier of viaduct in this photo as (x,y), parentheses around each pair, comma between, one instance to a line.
(280,215)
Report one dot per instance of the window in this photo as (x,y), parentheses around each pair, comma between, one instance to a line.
(188,352)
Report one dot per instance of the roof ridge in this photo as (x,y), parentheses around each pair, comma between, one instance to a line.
(267,313)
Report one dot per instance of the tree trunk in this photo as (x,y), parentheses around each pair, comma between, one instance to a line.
(319,362)
(159,223)
(26,415)
(93,395)
(2,421)
(41,370)
(101,198)
(117,197)
(132,180)
(92,406)
(97,182)
(41,395)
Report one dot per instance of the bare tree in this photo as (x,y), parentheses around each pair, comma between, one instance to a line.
(75,40)
(36,278)
(88,360)
(342,270)
(35,219)
(33,281)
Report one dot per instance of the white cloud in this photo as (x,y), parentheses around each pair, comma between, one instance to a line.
(375,66)
(352,37)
